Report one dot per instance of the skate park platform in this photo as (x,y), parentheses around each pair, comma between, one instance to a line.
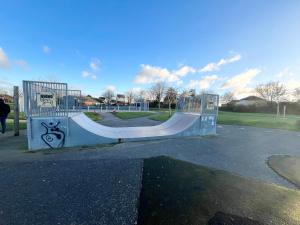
(54,122)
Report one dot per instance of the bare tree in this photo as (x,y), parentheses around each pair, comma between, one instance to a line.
(297,94)
(130,96)
(227,97)
(171,96)
(141,96)
(272,91)
(108,95)
(157,90)
(185,94)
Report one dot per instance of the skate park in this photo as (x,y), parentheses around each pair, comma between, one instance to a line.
(149,112)
(54,120)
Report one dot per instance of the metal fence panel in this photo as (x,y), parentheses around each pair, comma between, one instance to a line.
(45,99)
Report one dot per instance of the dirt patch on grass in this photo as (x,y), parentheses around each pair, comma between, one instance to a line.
(287,167)
(176,192)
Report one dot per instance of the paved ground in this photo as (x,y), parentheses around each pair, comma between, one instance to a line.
(113,121)
(241,150)
(70,192)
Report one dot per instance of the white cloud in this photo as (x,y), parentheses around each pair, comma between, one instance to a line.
(4,62)
(46,49)
(21,63)
(184,70)
(216,66)
(86,74)
(203,83)
(110,87)
(151,74)
(94,64)
(241,80)
(285,73)
(179,83)
(239,83)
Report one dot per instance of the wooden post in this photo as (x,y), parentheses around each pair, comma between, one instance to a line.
(16,111)
(284,110)
(278,112)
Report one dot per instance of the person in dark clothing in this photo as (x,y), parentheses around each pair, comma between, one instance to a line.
(4,111)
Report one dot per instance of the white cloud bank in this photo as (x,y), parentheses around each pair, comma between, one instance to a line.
(216,66)
(152,74)
(4,62)
(238,84)
(203,83)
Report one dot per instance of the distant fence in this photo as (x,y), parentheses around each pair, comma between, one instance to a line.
(139,106)
(51,99)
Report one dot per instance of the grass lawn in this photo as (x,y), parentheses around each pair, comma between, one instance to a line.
(249,119)
(131,115)
(176,192)
(10,124)
(260,120)
(287,167)
(12,114)
(163,116)
(93,116)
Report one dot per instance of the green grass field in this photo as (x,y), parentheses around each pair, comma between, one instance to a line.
(163,116)
(93,116)
(249,119)
(260,120)
(176,192)
(12,114)
(287,167)
(10,124)
(131,115)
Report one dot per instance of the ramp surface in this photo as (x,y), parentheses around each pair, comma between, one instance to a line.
(178,123)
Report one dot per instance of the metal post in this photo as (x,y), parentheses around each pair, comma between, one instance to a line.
(16,111)
(284,110)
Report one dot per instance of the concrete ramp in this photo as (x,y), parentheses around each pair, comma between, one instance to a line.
(79,130)
(176,124)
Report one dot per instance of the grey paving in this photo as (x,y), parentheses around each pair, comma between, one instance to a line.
(241,150)
(97,169)
(69,192)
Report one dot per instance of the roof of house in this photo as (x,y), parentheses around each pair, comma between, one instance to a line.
(252,98)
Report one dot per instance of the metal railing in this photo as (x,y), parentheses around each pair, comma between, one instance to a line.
(204,104)
(45,99)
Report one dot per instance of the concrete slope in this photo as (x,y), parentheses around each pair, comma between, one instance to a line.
(178,123)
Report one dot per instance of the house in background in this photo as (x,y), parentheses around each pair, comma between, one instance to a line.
(89,101)
(250,100)
(120,100)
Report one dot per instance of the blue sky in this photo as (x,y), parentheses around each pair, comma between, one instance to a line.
(218,46)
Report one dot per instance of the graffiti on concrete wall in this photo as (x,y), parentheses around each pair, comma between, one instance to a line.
(54,137)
